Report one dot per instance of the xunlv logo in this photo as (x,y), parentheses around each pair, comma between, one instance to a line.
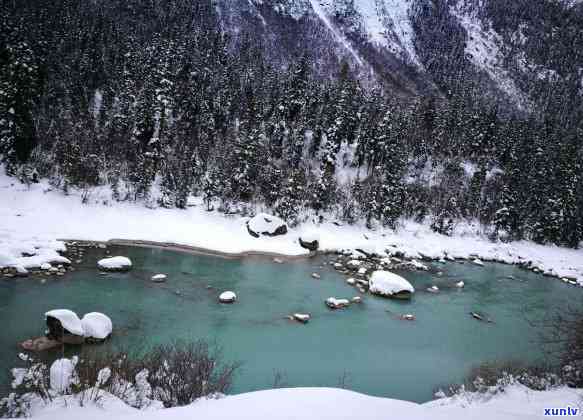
(568,411)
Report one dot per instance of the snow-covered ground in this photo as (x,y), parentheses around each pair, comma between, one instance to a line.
(325,403)
(33,219)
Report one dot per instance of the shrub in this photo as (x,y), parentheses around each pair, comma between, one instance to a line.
(169,375)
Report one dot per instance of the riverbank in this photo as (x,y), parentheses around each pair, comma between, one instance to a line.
(32,218)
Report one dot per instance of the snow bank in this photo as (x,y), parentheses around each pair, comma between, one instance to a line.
(387,284)
(18,250)
(62,374)
(320,404)
(115,263)
(96,325)
(69,320)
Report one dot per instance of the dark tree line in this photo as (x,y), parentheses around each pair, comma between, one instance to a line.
(156,101)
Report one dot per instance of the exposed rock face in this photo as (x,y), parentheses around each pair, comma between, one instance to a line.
(265,224)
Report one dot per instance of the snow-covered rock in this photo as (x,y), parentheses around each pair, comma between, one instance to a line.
(159,278)
(265,224)
(385,283)
(68,319)
(433,289)
(45,266)
(334,303)
(310,240)
(460,284)
(62,374)
(115,264)
(96,325)
(478,262)
(227,297)
(303,318)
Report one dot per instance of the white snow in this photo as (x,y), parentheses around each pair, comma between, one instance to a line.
(265,223)
(96,325)
(114,263)
(387,284)
(228,297)
(310,236)
(321,404)
(69,320)
(61,374)
(388,23)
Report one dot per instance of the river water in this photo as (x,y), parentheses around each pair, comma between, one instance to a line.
(364,348)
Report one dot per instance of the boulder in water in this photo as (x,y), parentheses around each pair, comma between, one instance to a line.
(159,278)
(387,284)
(303,318)
(96,326)
(227,297)
(115,264)
(334,303)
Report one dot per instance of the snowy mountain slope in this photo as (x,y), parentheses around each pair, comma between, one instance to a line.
(488,41)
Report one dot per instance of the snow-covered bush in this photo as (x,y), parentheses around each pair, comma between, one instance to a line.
(29,383)
(490,379)
(169,376)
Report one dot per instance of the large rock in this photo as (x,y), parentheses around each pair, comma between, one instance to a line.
(387,284)
(68,320)
(96,326)
(265,224)
(228,297)
(115,264)
(310,241)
